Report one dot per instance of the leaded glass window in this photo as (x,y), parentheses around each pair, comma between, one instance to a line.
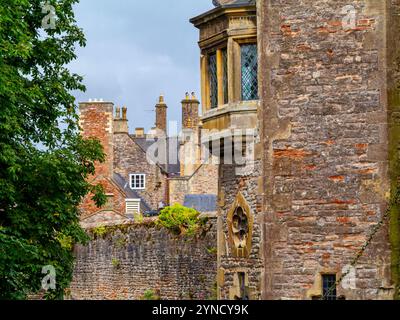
(329,287)
(213,78)
(138,181)
(249,72)
(225,74)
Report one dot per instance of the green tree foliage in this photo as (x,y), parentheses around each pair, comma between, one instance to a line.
(180,220)
(44,162)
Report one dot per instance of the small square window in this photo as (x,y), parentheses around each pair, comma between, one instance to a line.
(138,181)
(329,287)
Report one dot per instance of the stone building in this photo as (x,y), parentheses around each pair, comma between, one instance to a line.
(297,217)
(300,107)
(144,172)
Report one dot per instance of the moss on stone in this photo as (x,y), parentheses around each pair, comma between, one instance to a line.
(104,231)
(394,173)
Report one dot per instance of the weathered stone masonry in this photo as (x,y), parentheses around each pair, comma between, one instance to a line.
(243,191)
(132,259)
(130,158)
(325,113)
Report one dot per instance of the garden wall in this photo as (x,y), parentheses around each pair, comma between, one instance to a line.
(127,261)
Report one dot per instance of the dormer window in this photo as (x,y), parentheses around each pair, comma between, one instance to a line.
(138,181)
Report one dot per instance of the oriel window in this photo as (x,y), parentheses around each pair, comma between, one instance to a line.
(213,80)
(249,69)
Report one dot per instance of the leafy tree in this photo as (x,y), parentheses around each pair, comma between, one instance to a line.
(44,162)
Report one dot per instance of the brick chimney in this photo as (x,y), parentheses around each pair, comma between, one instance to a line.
(190,112)
(161,115)
(121,123)
(96,121)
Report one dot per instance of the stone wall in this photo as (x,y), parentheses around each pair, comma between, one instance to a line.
(240,190)
(178,188)
(129,260)
(325,117)
(203,181)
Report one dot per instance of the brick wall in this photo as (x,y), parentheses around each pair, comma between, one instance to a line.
(116,200)
(130,260)
(96,121)
(325,119)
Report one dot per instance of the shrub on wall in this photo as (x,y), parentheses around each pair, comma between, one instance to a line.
(180,220)
(150,295)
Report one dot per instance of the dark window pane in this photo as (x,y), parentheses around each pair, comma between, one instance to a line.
(138,181)
(329,287)
(212,74)
(249,72)
(225,79)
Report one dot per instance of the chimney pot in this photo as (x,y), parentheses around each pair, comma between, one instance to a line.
(117,113)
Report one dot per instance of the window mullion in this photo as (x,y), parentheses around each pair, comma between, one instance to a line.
(220,77)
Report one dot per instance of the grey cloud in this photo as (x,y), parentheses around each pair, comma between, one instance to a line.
(137,50)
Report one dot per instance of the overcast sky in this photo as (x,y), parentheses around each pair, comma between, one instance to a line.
(137,49)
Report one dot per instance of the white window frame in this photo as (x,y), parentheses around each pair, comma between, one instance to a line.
(132,181)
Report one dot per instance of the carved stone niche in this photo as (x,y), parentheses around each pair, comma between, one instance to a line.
(240,227)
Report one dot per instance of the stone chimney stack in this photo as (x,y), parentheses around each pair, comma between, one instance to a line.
(121,123)
(161,115)
(190,112)
(139,133)
(96,121)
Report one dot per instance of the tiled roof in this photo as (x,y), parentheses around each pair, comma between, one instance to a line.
(172,142)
